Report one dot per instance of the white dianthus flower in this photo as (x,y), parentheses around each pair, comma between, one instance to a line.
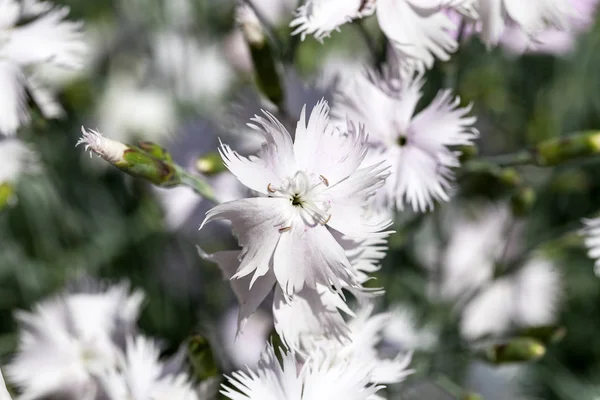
(320,377)
(531,17)
(309,186)
(47,39)
(418,146)
(141,376)
(130,112)
(66,341)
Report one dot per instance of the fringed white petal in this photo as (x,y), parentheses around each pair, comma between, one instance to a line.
(311,314)
(14,111)
(48,39)
(421,34)
(249,297)
(321,17)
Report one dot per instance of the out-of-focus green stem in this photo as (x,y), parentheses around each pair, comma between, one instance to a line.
(524,157)
(200,186)
(552,152)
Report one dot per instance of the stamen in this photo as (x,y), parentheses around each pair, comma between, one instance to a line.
(327,220)
(284,229)
(270,189)
(325,181)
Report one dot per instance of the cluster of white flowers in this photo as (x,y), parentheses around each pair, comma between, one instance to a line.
(423,30)
(86,346)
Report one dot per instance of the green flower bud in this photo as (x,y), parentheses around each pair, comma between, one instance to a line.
(210,164)
(7,195)
(155,151)
(522,201)
(559,150)
(132,160)
(521,349)
(266,69)
(201,358)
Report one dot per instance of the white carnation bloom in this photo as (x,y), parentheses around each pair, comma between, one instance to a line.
(4,395)
(365,335)
(66,341)
(141,376)
(47,39)
(320,377)
(418,29)
(403,331)
(178,58)
(309,186)
(531,17)
(528,298)
(129,112)
(592,241)
(419,147)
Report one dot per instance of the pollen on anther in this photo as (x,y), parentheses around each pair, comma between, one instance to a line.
(285,229)
(325,181)
(270,188)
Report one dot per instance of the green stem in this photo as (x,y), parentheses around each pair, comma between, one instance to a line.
(523,157)
(200,186)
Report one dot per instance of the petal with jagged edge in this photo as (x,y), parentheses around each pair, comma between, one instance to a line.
(274,162)
(310,314)
(256,222)
(47,39)
(322,149)
(321,17)
(421,34)
(249,299)
(307,256)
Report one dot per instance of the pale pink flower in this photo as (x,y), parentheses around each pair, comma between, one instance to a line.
(419,146)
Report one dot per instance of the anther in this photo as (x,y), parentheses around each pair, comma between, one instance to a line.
(270,189)
(284,229)
(325,181)
(327,220)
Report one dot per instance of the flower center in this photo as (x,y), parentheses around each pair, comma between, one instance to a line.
(401,140)
(303,191)
(296,200)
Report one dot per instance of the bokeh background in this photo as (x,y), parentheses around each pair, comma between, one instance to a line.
(179,73)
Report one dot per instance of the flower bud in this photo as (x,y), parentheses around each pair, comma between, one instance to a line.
(267,75)
(155,151)
(522,201)
(210,164)
(468,153)
(559,150)
(521,349)
(132,160)
(201,358)
(7,195)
